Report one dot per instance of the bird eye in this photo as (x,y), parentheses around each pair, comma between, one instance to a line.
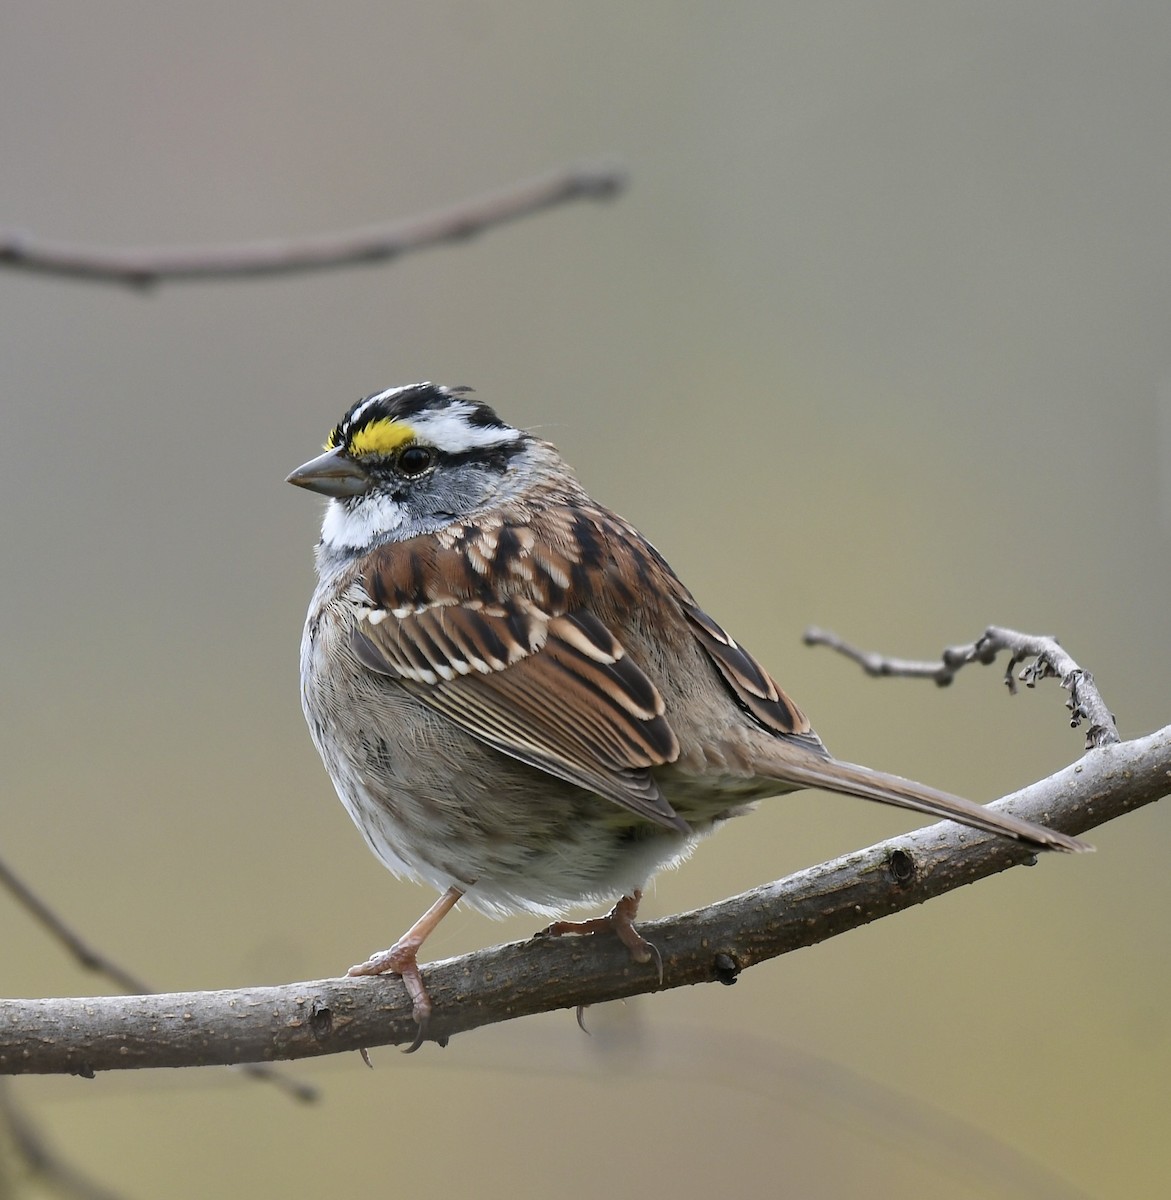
(414,460)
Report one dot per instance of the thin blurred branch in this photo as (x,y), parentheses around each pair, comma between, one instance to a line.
(39,1159)
(82,951)
(1049,661)
(146,267)
(716,943)
(94,960)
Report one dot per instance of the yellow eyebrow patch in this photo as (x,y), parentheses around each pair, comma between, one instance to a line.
(380,437)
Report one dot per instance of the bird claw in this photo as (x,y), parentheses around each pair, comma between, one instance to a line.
(619,922)
(401,960)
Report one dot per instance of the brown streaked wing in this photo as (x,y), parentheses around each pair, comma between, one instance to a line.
(449,640)
(749,682)
(557,692)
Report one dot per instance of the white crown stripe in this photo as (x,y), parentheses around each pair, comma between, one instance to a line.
(356,416)
(449,430)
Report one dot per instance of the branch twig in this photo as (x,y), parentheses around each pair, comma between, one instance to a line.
(40,1159)
(82,951)
(146,267)
(1085,703)
(82,1036)
(93,960)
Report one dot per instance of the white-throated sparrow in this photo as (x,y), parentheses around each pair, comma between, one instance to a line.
(518,701)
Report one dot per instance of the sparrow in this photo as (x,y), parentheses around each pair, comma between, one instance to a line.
(519,703)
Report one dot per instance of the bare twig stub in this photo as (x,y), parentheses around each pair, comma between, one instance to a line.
(146,267)
(716,943)
(1049,660)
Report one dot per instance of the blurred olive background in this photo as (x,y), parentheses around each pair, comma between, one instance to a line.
(877,339)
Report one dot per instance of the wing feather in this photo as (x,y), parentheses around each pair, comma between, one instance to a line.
(750,683)
(549,685)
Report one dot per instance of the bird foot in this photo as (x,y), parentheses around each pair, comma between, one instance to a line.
(619,922)
(402,959)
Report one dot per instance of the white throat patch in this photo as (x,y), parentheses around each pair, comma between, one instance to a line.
(357,526)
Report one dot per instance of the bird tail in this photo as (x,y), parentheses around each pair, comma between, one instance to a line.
(852,780)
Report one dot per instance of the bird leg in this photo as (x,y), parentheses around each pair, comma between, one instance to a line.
(402,960)
(620,922)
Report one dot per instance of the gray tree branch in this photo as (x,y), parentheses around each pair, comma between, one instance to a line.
(715,943)
(1044,658)
(92,959)
(146,267)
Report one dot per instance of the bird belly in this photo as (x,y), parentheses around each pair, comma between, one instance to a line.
(436,805)
(528,844)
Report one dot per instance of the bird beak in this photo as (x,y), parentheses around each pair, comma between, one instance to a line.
(332,474)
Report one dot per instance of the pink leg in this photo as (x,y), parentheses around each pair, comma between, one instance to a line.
(402,960)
